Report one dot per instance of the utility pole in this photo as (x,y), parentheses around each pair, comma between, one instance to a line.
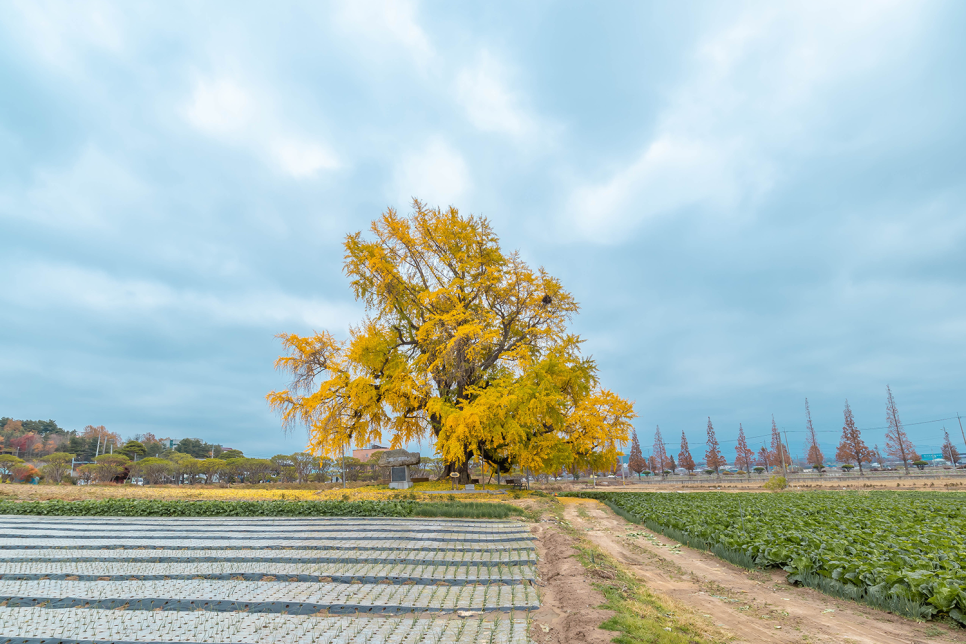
(960,430)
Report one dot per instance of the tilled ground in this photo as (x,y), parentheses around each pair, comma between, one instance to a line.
(753,606)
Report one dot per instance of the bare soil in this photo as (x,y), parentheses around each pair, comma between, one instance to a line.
(568,613)
(753,606)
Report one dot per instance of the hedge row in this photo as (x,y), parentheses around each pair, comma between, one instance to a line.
(161,508)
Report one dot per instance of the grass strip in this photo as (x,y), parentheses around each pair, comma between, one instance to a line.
(161,508)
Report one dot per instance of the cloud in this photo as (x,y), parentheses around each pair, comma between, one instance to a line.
(219,107)
(435,174)
(224,108)
(490,105)
(755,92)
(303,159)
(45,286)
(384,27)
(62,33)
(672,174)
(94,192)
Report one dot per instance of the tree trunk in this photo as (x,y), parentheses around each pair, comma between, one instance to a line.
(463,470)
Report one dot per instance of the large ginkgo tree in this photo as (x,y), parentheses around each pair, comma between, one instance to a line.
(463,344)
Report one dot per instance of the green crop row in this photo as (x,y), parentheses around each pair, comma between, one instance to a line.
(160,508)
(902,551)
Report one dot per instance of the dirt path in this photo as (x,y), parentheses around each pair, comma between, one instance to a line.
(753,606)
(568,611)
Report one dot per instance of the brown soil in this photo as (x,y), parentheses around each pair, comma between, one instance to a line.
(568,599)
(754,606)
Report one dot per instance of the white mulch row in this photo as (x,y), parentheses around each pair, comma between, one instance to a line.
(242,611)
(377,595)
(431,572)
(163,626)
(281,531)
(485,524)
(134,542)
(375,556)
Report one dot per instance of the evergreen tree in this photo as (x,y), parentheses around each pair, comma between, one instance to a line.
(684,456)
(712,455)
(636,462)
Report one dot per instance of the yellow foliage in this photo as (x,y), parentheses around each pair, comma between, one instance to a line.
(464,345)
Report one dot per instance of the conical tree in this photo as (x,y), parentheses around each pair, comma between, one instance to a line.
(878,454)
(685,459)
(950,453)
(815,457)
(660,454)
(898,444)
(779,456)
(743,454)
(764,457)
(852,449)
(636,461)
(712,455)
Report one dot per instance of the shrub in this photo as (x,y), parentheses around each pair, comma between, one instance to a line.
(775,483)
(24,472)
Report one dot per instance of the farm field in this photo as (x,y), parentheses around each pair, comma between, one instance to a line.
(309,492)
(902,552)
(325,580)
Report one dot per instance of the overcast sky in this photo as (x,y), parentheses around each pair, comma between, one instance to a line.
(754,203)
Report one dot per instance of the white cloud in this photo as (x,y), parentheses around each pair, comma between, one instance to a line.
(436,174)
(92,192)
(219,106)
(490,105)
(303,159)
(755,96)
(385,26)
(225,108)
(671,174)
(75,289)
(62,32)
